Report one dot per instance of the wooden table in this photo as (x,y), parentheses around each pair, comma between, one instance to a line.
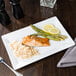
(65,10)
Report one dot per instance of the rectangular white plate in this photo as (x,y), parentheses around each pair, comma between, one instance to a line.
(56,46)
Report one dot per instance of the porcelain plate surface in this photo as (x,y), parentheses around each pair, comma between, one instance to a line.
(56,46)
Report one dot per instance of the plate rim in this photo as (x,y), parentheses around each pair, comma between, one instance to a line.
(16,68)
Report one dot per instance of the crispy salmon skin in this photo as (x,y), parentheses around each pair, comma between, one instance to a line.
(35,41)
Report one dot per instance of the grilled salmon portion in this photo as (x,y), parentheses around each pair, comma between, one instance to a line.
(35,41)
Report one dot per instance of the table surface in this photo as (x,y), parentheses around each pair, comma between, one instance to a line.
(65,10)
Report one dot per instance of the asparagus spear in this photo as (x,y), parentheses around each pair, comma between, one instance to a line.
(48,35)
(39,30)
(56,38)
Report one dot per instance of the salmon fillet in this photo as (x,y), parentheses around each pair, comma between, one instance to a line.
(35,41)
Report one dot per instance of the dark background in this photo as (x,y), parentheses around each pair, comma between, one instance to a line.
(65,10)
